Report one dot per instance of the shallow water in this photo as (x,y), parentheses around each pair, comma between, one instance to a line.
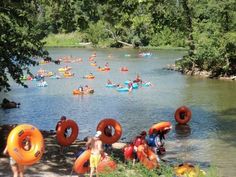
(208,138)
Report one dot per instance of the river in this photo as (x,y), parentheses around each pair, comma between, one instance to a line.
(209,138)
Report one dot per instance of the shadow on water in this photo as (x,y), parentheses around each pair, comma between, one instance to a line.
(182,130)
(227,126)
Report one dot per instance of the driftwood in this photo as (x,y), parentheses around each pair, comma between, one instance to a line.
(115,38)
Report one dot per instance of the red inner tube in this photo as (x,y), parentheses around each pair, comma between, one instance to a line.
(60,135)
(116,126)
(183,115)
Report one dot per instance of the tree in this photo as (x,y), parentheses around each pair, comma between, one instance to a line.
(20,40)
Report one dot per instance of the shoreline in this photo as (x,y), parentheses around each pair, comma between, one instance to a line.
(196,72)
(52,163)
(55,164)
(125,47)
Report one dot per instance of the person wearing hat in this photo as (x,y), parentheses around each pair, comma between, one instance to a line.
(95,145)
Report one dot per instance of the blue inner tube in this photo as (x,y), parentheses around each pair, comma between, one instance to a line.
(55,77)
(127,82)
(135,86)
(125,89)
(146,85)
(110,85)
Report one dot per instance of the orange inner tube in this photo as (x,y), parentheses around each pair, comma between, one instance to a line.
(60,134)
(77,92)
(81,164)
(89,77)
(147,157)
(106,165)
(128,152)
(183,115)
(160,127)
(15,144)
(113,123)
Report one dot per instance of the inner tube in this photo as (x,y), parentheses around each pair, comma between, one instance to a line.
(77,92)
(89,77)
(127,82)
(60,134)
(162,126)
(111,85)
(106,165)
(135,86)
(128,152)
(188,169)
(81,164)
(147,157)
(68,75)
(43,84)
(55,77)
(124,89)
(183,115)
(113,123)
(147,84)
(15,144)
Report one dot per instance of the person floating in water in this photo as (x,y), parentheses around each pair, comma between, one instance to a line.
(138,79)
(109,82)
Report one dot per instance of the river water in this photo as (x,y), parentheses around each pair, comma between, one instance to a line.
(209,138)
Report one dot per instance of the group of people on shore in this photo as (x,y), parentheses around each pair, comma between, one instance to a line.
(98,149)
(155,141)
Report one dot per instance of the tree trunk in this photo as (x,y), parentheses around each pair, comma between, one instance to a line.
(115,38)
(188,14)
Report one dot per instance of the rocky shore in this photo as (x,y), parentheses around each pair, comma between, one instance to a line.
(197,72)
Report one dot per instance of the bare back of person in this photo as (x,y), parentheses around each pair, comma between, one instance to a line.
(96,146)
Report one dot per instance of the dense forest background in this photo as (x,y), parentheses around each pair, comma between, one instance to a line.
(206,28)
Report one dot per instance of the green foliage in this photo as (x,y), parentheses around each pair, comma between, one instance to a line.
(96,33)
(21,35)
(206,27)
(213,31)
(166,37)
(128,170)
(64,40)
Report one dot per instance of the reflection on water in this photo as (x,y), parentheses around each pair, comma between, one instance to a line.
(182,130)
(206,138)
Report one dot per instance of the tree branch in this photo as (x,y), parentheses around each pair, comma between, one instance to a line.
(115,38)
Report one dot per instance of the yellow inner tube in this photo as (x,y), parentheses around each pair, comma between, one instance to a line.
(188,170)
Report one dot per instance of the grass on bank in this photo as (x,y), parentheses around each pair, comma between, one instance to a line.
(63,40)
(75,40)
(127,170)
(138,170)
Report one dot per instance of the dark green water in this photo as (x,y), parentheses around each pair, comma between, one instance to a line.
(209,138)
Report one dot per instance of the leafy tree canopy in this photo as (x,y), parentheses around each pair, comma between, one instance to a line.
(20,40)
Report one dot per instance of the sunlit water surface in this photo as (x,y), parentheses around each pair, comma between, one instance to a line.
(209,138)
